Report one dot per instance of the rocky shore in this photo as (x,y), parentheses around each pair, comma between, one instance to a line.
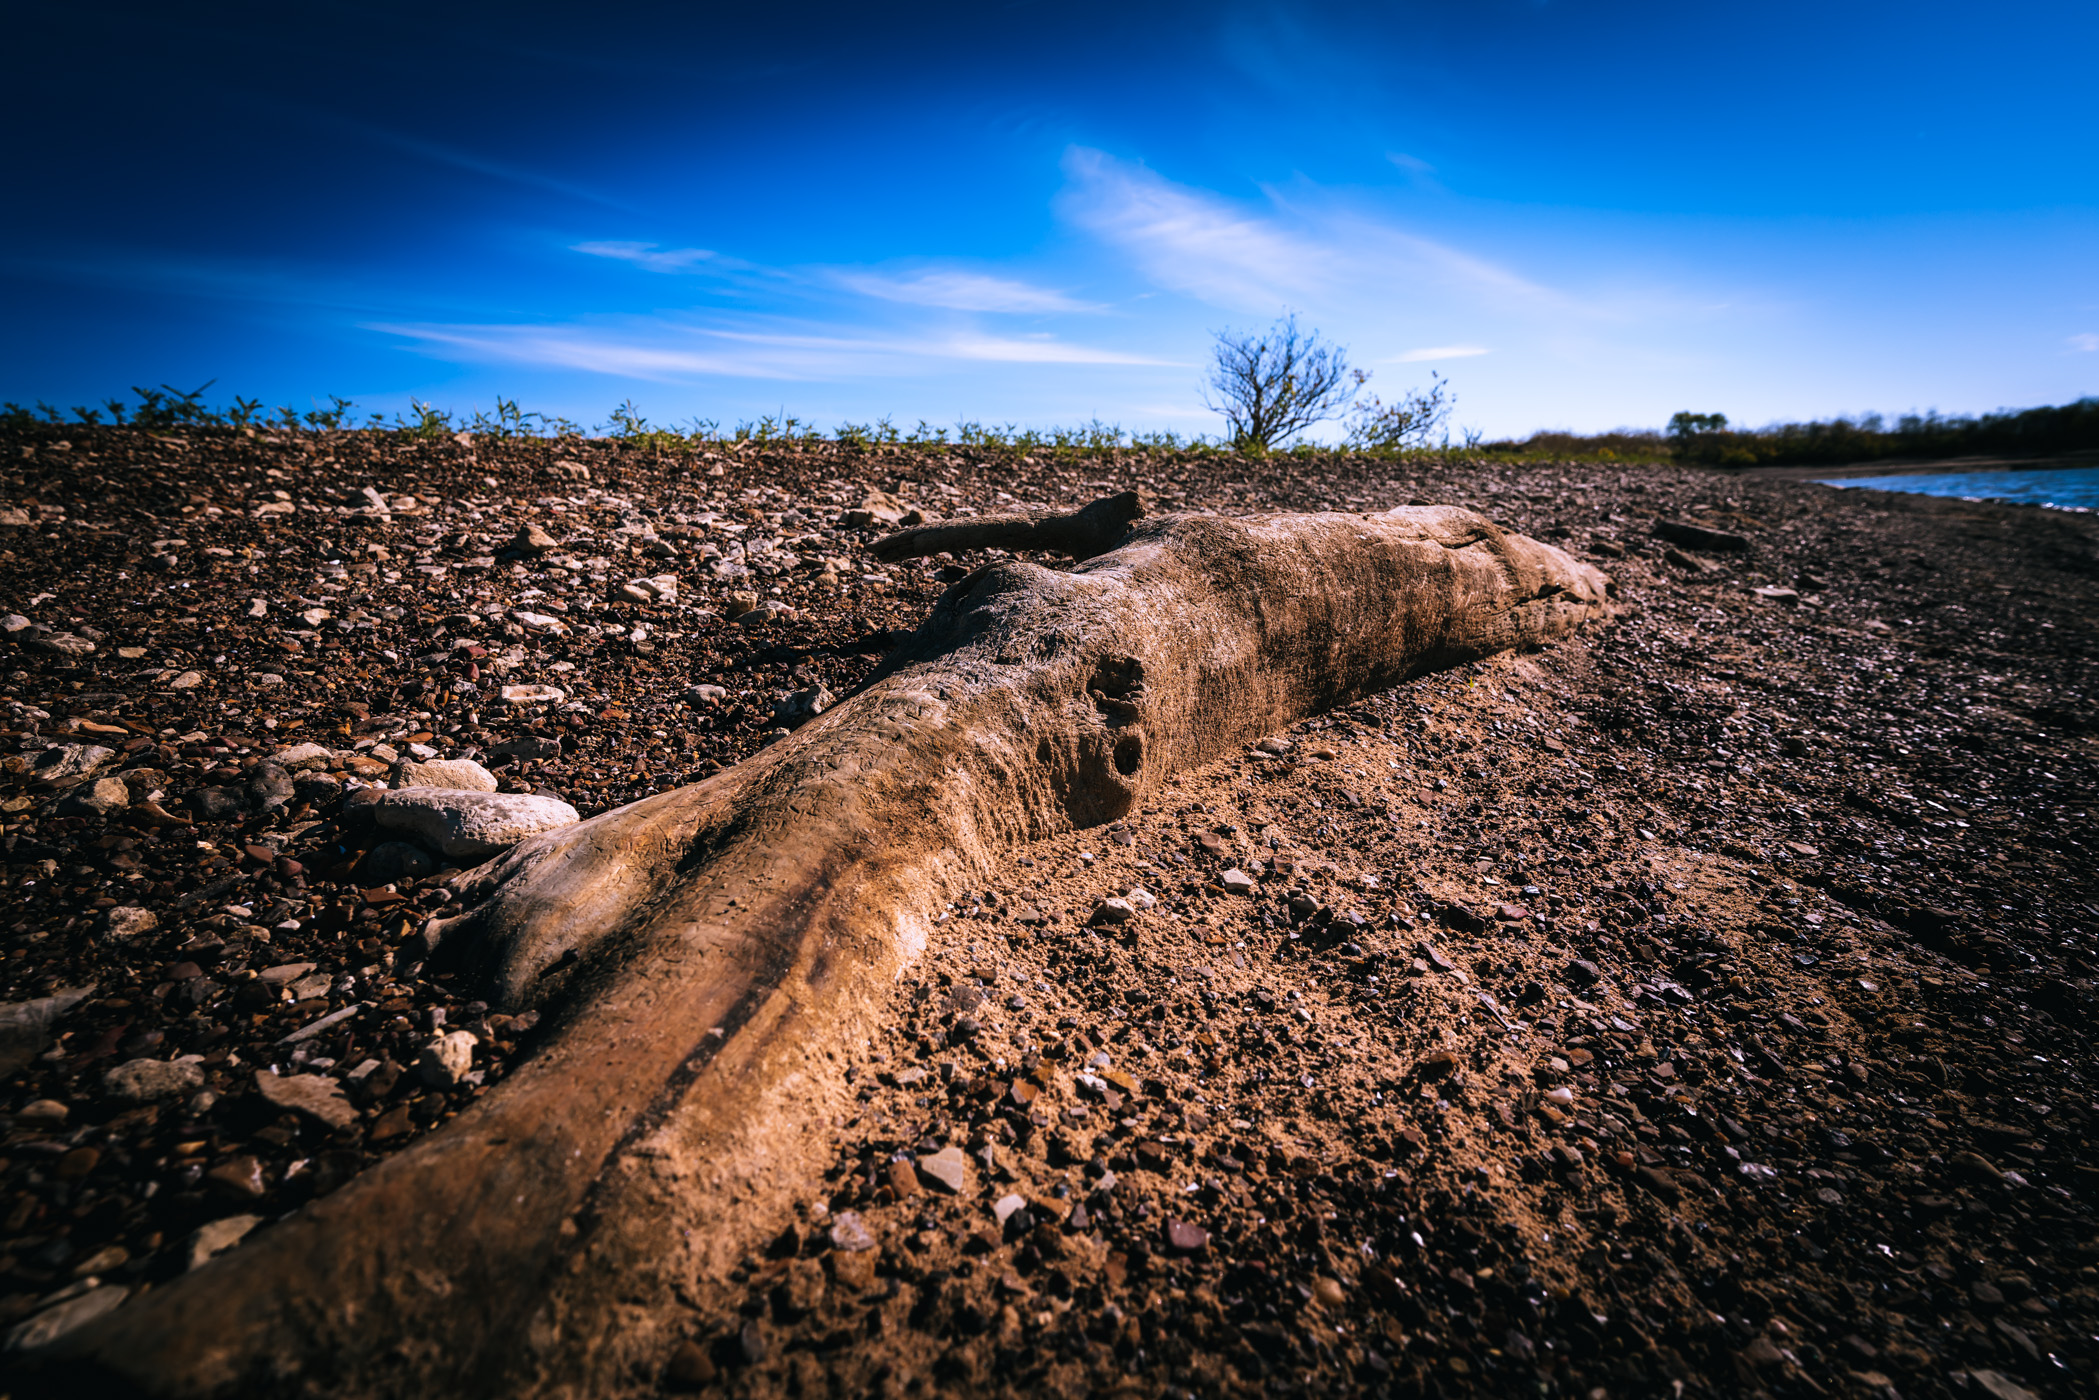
(1698,1006)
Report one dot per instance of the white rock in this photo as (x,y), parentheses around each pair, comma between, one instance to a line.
(1114,911)
(533,695)
(304,758)
(13,623)
(219,1236)
(459,774)
(538,622)
(1005,1206)
(142,1081)
(947,1169)
(1140,898)
(54,1322)
(188,680)
(470,825)
(446,1060)
(258,607)
(1237,882)
(128,921)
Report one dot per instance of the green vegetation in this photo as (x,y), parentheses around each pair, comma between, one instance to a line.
(1373,427)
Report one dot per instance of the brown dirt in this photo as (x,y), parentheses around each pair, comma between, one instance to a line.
(1825,861)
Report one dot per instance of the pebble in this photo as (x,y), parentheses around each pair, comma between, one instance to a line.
(304,758)
(948,1169)
(532,695)
(470,825)
(142,1081)
(1113,911)
(315,1095)
(1183,1237)
(99,798)
(850,1234)
(447,1059)
(1002,1209)
(213,1239)
(1237,882)
(128,921)
(459,774)
(239,1177)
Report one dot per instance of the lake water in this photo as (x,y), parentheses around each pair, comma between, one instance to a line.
(2060,488)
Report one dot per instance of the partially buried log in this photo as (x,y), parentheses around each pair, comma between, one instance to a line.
(704,956)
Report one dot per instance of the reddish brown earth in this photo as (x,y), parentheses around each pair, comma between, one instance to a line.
(1700,1001)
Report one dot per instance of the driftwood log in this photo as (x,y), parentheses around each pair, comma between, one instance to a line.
(705,957)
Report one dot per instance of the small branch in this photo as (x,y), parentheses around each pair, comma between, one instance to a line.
(1091,530)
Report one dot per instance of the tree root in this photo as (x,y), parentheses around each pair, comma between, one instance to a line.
(703,957)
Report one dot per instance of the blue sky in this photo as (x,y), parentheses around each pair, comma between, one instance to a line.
(1584,215)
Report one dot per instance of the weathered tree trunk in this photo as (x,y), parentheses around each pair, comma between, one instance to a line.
(705,956)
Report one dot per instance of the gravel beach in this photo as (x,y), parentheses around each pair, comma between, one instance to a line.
(1700,1006)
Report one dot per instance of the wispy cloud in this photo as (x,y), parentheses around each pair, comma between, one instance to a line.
(653,349)
(963,291)
(657,258)
(1437,352)
(2087,343)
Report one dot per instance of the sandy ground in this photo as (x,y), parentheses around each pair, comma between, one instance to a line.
(1695,1007)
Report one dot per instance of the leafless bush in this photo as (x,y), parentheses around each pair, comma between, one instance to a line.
(1272,386)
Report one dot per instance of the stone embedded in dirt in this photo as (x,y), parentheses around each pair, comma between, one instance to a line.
(1773,593)
(948,1169)
(470,825)
(1003,1208)
(239,1177)
(218,1236)
(143,1081)
(1112,911)
(64,644)
(690,1367)
(128,921)
(1683,559)
(1700,537)
(532,540)
(1183,1237)
(315,1095)
(447,1059)
(391,862)
(304,758)
(99,798)
(850,1234)
(658,588)
(1436,1064)
(532,695)
(1580,972)
(43,1113)
(903,1179)
(1999,1386)
(66,764)
(25,1026)
(1276,747)
(459,774)
(803,705)
(534,746)
(1237,882)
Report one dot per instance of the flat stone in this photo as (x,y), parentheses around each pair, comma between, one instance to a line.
(470,825)
(239,1177)
(25,1026)
(532,695)
(458,774)
(284,974)
(530,539)
(188,680)
(208,1241)
(1237,882)
(141,1081)
(947,1169)
(304,758)
(64,644)
(446,1060)
(1002,1209)
(1700,537)
(54,1322)
(67,764)
(315,1095)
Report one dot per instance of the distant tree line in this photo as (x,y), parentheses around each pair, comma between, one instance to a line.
(1708,438)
